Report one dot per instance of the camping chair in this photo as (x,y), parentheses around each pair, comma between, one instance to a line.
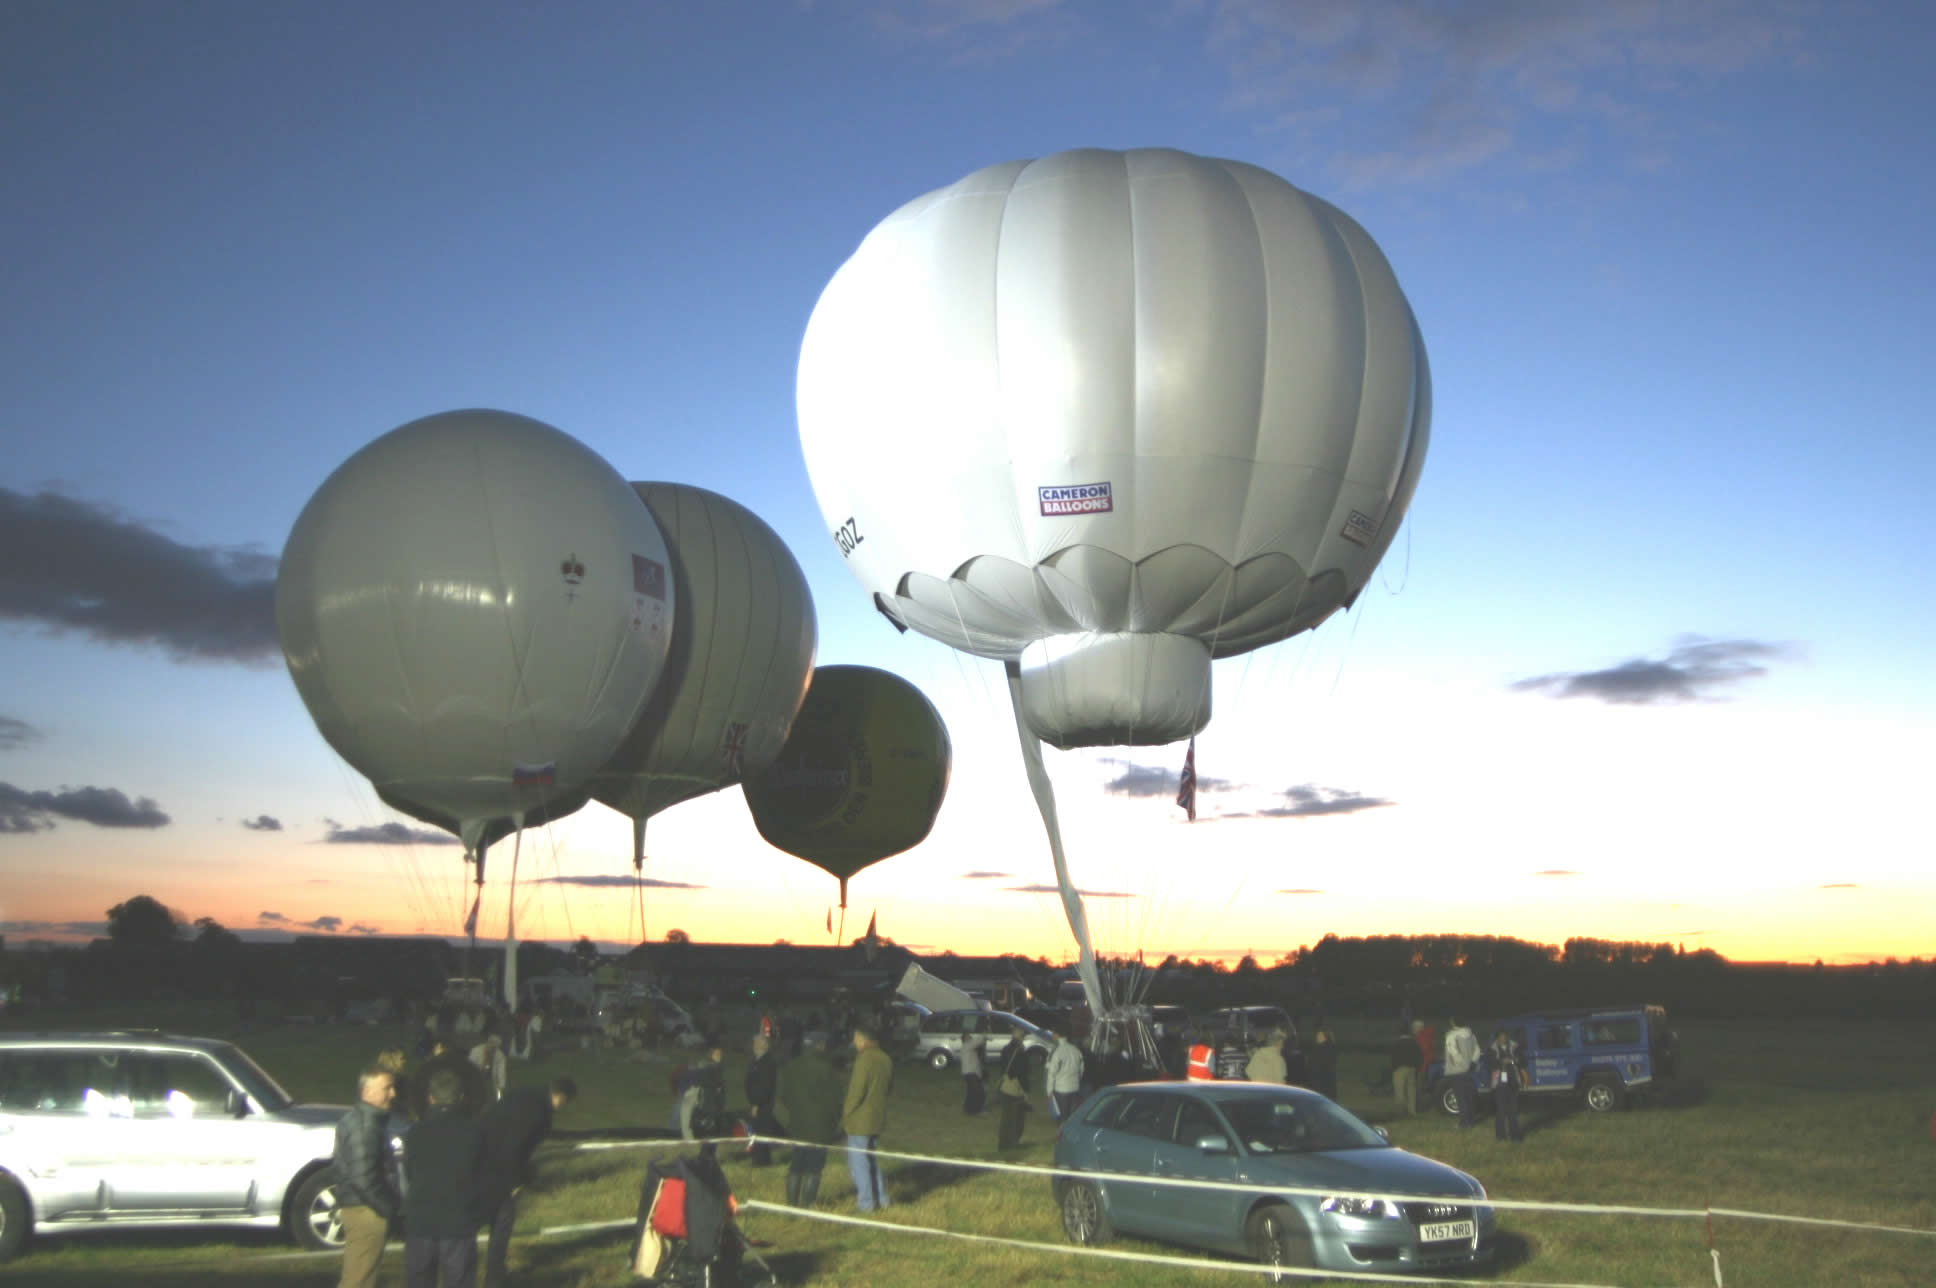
(686,1236)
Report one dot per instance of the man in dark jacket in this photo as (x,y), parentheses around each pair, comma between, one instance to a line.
(812,1095)
(366,1196)
(444,1167)
(513,1129)
(474,1089)
(762,1085)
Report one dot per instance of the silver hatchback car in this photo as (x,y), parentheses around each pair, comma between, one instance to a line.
(1376,1208)
(118,1129)
(939,1042)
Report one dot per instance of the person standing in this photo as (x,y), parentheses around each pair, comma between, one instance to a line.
(444,1206)
(1267,1062)
(1404,1069)
(811,1094)
(864,1115)
(762,1085)
(1322,1065)
(974,1095)
(1461,1055)
(366,1190)
(513,1128)
(702,1101)
(488,1056)
(1012,1091)
(1507,1078)
(1064,1076)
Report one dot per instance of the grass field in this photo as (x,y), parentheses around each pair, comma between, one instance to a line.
(1820,1120)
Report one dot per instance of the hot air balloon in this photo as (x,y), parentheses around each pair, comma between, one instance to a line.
(1107,416)
(475,608)
(741,655)
(861,777)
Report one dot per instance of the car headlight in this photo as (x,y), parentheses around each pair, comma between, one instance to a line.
(1339,1205)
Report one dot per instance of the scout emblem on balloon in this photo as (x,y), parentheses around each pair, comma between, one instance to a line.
(1107,416)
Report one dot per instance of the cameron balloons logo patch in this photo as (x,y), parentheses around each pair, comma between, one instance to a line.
(1076,498)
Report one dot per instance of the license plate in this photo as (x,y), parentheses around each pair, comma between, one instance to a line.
(1444,1230)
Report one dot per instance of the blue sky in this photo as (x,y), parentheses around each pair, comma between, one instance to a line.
(1670,262)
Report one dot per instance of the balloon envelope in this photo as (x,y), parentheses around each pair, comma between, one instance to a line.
(861,777)
(741,655)
(1108,415)
(475,607)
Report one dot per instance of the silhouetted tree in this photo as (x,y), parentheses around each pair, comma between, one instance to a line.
(142,922)
(677,936)
(584,955)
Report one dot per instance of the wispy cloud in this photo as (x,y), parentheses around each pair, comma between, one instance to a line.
(16,733)
(984,876)
(384,834)
(1556,872)
(23,811)
(75,566)
(272,918)
(1691,671)
(971,30)
(1840,885)
(1308,800)
(616,881)
(1154,780)
(262,823)
(1301,890)
(329,925)
(1401,94)
(1087,894)
(64,929)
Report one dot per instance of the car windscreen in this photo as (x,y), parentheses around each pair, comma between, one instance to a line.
(1303,1125)
(264,1090)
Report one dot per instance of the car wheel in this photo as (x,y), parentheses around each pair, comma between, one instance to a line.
(1604,1095)
(1084,1218)
(939,1060)
(1277,1238)
(1451,1097)
(315,1218)
(13,1219)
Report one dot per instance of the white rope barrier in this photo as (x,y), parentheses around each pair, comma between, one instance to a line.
(1525,1205)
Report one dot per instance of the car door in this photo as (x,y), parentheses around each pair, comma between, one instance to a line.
(180,1149)
(46,1138)
(1552,1061)
(1191,1213)
(1126,1146)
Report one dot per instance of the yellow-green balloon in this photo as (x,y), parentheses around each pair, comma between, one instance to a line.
(861,776)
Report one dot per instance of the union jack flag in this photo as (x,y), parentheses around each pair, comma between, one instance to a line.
(1186,788)
(733,747)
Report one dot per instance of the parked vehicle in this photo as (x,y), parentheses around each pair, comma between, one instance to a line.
(1394,1211)
(939,1042)
(1606,1055)
(144,1128)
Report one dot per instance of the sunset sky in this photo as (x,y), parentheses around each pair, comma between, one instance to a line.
(1650,659)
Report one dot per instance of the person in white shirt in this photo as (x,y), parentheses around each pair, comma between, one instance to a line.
(1065,1077)
(973,1092)
(1461,1055)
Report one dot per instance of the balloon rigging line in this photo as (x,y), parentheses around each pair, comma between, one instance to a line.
(1405,579)
(1357,620)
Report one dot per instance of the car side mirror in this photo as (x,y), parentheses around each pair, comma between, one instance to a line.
(1213,1144)
(1382,1133)
(235,1104)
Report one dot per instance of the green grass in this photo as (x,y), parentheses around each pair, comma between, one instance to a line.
(1812,1119)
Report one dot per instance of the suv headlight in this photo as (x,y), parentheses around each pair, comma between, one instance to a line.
(1370,1209)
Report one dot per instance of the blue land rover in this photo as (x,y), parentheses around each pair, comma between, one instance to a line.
(1606,1055)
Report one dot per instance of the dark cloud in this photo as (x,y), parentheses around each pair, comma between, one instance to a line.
(272,917)
(1087,894)
(1154,780)
(617,880)
(24,811)
(1841,885)
(262,823)
(1556,872)
(1689,673)
(384,834)
(91,929)
(75,566)
(328,924)
(1301,890)
(16,733)
(1308,800)
(983,876)
(360,929)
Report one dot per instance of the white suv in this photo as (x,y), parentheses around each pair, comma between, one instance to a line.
(141,1128)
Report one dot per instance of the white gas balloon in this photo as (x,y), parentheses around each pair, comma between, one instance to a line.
(475,608)
(1107,416)
(742,654)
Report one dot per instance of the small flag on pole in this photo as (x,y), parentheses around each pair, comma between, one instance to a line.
(830,919)
(1186,788)
(470,922)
